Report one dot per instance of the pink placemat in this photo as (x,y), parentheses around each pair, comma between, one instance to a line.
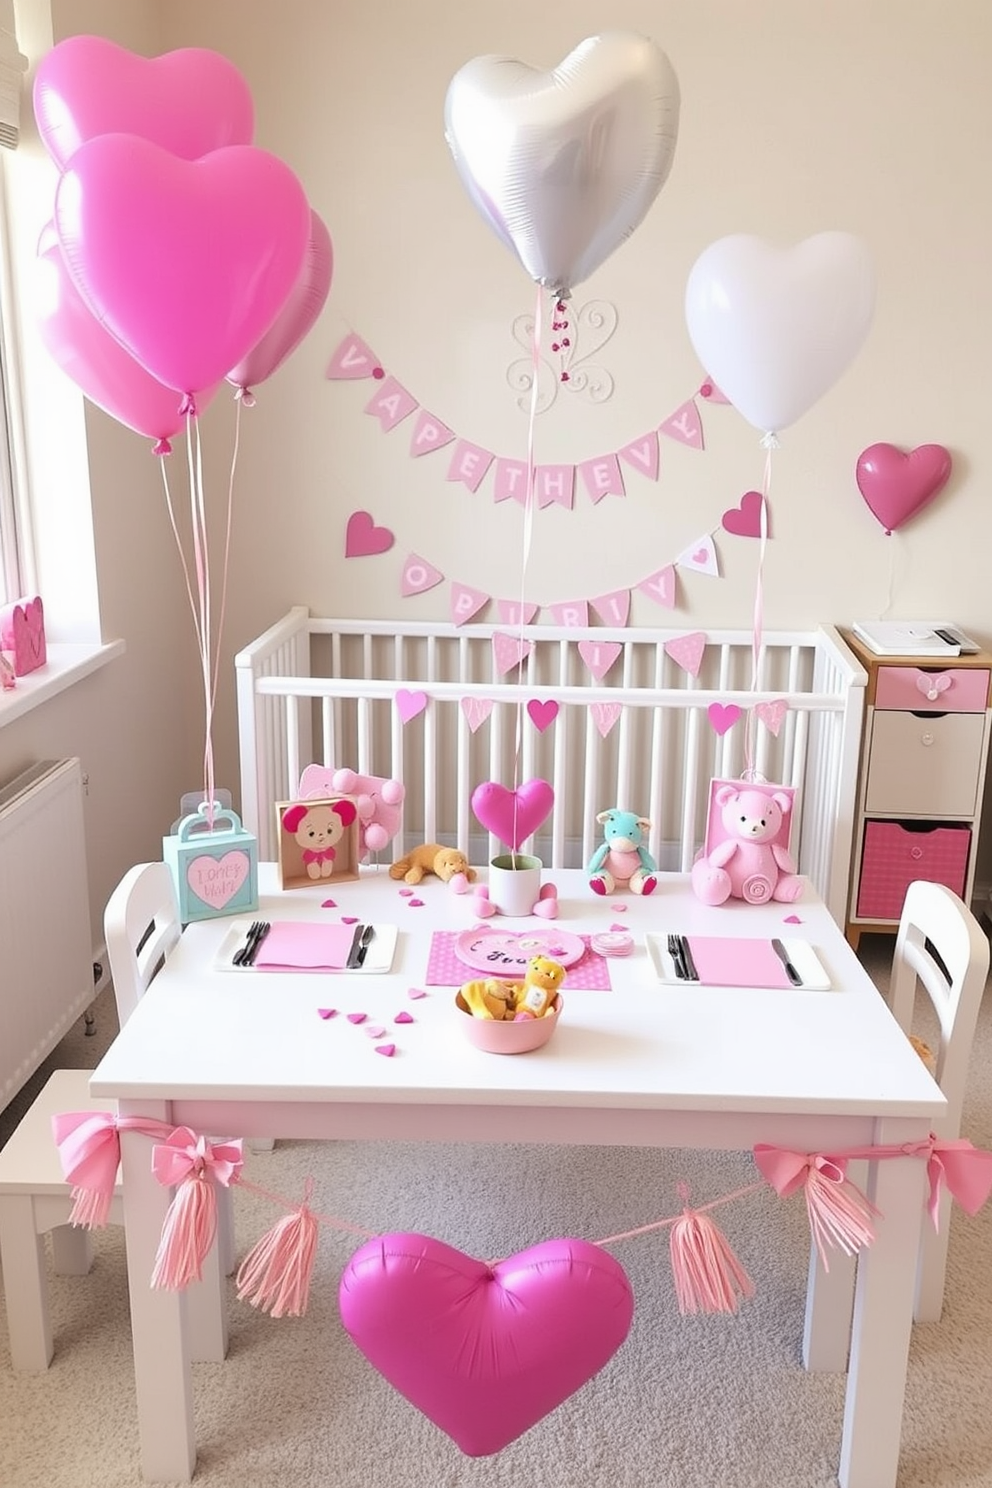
(591,973)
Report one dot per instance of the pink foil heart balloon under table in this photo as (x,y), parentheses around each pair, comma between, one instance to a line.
(485,1351)
(513,815)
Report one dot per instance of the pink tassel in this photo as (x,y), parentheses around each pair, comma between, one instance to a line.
(275,1274)
(90,1208)
(839,1213)
(187,1234)
(708,1276)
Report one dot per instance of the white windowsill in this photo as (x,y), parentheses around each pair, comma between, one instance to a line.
(65,665)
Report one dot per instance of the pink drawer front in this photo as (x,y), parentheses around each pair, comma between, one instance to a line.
(950,690)
(894,856)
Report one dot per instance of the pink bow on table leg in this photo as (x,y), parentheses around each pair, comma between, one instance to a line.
(90,1153)
(195,1166)
(966,1169)
(839,1214)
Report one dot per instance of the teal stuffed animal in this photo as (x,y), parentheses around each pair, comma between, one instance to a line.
(623,858)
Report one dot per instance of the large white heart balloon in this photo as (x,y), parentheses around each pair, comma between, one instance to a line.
(775,327)
(565,164)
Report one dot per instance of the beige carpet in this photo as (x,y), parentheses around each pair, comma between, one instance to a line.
(686,1403)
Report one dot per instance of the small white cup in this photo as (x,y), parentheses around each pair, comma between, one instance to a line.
(514,883)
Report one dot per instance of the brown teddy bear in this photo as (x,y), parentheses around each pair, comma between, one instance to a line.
(431,857)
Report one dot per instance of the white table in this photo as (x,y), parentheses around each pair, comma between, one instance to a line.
(241,1054)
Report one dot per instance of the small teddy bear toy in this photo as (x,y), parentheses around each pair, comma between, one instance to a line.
(537,993)
(317,828)
(431,857)
(622,859)
(749,864)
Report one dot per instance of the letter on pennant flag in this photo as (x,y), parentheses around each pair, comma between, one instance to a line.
(603,477)
(469,463)
(613,609)
(643,454)
(466,602)
(354,358)
(685,426)
(419,576)
(512,613)
(555,484)
(391,404)
(429,434)
(599,656)
(604,716)
(574,614)
(660,586)
(511,480)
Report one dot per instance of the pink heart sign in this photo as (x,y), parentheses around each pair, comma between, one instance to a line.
(896,485)
(455,1335)
(215,881)
(513,816)
(744,520)
(363,539)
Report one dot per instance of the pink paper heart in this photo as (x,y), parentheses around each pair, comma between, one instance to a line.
(744,520)
(897,485)
(328,904)
(723,716)
(547,891)
(186,263)
(357,1017)
(405,893)
(542,714)
(349,919)
(513,816)
(215,881)
(546,908)
(403,1017)
(451,1333)
(604,716)
(619,927)
(599,656)
(476,711)
(409,704)
(416,993)
(792,920)
(415,903)
(772,714)
(483,908)
(327,1012)
(386,1049)
(374,1030)
(363,539)
(458,883)
(619,908)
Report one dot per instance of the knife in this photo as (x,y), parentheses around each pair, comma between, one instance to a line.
(790,970)
(368,935)
(688,962)
(356,942)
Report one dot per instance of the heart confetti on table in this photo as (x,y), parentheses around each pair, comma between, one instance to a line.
(388,1049)
(403,1017)
(619,908)
(328,904)
(327,1012)
(357,1017)
(415,903)
(349,919)
(374,1030)
(792,920)
(405,893)
(416,993)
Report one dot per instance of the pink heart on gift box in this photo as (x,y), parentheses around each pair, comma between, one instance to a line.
(513,816)
(216,880)
(409,704)
(744,520)
(896,485)
(363,539)
(454,1335)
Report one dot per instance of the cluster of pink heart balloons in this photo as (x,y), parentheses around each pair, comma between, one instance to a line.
(179,254)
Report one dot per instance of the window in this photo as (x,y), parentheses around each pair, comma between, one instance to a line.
(13,578)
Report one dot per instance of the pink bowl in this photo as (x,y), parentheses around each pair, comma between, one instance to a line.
(508,1038)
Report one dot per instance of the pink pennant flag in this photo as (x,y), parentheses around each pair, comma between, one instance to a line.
(476,711)
(712,393)
(352,359)
(643,454)
(419,576)
(772,714)
(613,609)
(574,613)
(684,425)
(701,557)
(660,586)
(687,651)
(510,612)
(508,652)
(602,476)
(599,656)
(555,484)
(511,481)
(604,716)
(391,404)
(469,463)
(466,602)
(429,434)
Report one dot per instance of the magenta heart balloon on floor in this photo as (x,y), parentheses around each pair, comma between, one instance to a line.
(513,815)
(485,1351)
(897,485)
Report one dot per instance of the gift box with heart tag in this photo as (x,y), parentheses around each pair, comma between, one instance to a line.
(214,863)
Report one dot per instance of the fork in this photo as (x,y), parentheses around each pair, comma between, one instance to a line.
(675,951)
(240,955)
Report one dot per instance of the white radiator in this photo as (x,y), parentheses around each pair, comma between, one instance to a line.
(46,959)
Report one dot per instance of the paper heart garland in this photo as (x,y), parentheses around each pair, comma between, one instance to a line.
(563,165)
(723,716)
(896,485)
(542,714)
(772,714)
(744,520)
(513,815)
(409,704)
(485,1351)
(186,263)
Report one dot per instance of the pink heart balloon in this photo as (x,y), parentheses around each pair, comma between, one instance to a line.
(98,365)
(513,815)
(190,101)
(485,1351)
(297,316)
(896,485)
(186,263)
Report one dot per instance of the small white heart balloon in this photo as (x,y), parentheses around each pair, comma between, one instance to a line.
(564,165)
(775,327)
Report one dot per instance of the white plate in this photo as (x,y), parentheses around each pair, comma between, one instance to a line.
(378,960)
(800,953)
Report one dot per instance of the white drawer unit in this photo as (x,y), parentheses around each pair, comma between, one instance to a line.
(922,779)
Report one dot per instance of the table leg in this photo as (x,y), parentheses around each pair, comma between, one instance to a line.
(883,1316)
(158,1323)
(830,1299)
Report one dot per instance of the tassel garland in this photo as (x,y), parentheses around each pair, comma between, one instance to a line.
(707,1274)
(187,1234)
(839,1214)
(275,1274)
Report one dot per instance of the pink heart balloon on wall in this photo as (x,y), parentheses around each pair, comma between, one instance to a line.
(189,101)
(897,485)
(186,263)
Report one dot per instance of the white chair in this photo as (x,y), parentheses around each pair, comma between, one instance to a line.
(941,947)
(141,925)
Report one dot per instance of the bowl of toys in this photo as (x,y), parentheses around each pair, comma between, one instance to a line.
(502,1017)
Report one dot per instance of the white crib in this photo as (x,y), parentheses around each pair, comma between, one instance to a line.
(312,690)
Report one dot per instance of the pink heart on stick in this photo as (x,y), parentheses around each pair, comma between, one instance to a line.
(896,485)
(363,539)
(513,816)
(453,1334)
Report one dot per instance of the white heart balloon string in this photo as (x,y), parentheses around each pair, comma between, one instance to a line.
(526,545)
(769,443)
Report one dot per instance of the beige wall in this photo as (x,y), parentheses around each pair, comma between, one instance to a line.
(864,115)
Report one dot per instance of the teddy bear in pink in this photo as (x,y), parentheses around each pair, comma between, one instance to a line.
(378,799)
(749,864)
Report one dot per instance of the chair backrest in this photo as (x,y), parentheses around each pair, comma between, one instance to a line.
(935,914)
(141,924)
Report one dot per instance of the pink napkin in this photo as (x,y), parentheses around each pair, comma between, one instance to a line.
(728,961)
(305,945)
